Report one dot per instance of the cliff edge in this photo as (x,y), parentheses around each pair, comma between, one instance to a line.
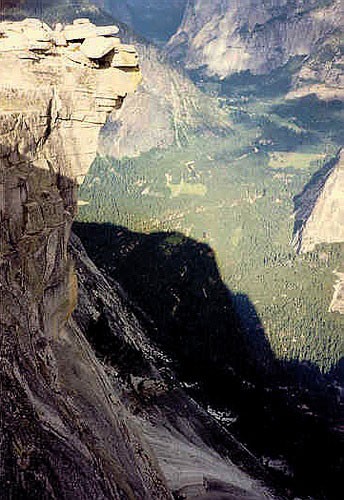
(62,434)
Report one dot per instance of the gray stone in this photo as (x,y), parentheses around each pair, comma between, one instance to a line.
(97,47)
(107,30)
(79,32)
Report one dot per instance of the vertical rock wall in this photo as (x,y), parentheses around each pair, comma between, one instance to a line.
(62,436)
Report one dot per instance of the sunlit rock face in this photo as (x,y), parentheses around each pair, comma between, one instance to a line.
(321,209)
(228,36)
(319,217)
(62,436)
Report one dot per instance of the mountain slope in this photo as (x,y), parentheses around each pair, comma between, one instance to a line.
(225,37)
(174,425)
(167,109)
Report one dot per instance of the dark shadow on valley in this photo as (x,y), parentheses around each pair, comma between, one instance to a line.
(277,83)
(219,348)
(313,114)
(317,121)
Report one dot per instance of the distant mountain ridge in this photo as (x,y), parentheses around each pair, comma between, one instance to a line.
(228,36)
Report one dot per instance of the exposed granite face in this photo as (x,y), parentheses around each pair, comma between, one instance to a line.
(337,304)
(62,435)
(320,214)
(228,36)
(319,217)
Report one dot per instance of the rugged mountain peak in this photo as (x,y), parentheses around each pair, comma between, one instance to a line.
(63,436)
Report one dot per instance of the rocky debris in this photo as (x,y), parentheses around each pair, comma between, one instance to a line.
(83,28)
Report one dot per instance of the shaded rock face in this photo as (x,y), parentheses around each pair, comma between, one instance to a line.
(62,436)
(228,36)
(155,19)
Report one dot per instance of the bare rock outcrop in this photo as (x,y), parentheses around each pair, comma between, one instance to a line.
(62,435)
(337,303)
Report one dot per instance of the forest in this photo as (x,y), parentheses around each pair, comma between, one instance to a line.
(236,193)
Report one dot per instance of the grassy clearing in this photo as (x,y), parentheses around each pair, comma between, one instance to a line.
(283,159)
(186,189)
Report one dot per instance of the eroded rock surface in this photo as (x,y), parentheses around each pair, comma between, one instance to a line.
(62,435)
(320,208)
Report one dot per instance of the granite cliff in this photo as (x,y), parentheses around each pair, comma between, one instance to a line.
(319,216)
(225,37)
(170,99)
(319,208)
(62,434)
